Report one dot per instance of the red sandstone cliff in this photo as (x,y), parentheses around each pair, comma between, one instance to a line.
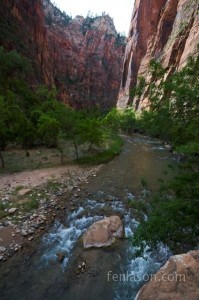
(81,57)
(88,57)
(22,28)
(166,30)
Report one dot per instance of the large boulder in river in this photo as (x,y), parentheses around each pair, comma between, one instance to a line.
(103,233)
(178,279)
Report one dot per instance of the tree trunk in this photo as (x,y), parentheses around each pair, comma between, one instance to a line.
(62,156)
(89,148)
(76,149)
(2,161)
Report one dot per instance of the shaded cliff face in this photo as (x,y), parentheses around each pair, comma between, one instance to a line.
(22,28)
(88,57)
(81,57)
(166,30)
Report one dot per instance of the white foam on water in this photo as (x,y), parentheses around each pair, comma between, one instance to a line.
(139,270)
(159,148)
(93,204)
(62,239)
(76,213)
(130,196)
(128,232)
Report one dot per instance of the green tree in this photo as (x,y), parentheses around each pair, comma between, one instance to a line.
(173,217)
(12,66)
(4,123)
(49,129)
(123,120)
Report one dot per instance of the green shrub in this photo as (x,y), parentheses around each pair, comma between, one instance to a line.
(173,217)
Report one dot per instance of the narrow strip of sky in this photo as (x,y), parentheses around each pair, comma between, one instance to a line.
(119,10)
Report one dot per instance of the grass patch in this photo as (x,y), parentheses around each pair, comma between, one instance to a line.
(31,204)
(52,186)
(18,188)
(113,147)
(191,148)
(3,213)
(138,205)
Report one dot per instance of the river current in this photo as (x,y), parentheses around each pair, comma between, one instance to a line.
(112,273)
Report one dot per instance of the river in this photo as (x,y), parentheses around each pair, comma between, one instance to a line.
(111,273)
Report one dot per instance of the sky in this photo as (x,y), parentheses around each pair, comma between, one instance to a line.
(119,10)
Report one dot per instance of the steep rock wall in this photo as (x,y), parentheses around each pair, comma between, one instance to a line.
(87,55)
(81,57)
(22,28)
(165,30)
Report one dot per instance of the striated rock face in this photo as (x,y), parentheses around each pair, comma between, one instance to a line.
(177,279)
(166,30)
(88,55)
(81,57)
(22,28)
(103,233)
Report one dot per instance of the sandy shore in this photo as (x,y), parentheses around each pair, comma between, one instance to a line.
(34,178)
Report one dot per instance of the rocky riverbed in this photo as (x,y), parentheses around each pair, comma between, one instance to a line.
(44,189)
(55,263)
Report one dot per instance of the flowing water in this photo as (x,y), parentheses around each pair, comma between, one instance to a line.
(113,272)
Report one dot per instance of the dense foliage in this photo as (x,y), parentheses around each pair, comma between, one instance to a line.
(33,116)
(174,108)
(173,215)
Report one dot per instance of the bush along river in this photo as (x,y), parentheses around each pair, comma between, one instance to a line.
(58,267)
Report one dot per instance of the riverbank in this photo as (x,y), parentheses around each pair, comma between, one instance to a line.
(111,190)
(32,200)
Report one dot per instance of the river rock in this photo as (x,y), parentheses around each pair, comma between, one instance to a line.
(2,249)
(24,192)
(103,232)
(73,207)
(24,232)
(12,210)
(177,279)
(60,256)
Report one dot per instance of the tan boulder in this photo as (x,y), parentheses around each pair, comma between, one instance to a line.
(178,279)
(24,192)
(103,232)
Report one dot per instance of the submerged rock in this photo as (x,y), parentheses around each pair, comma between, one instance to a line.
(60,256)
(103,233)
(177,279)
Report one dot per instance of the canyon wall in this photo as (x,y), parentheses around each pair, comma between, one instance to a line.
(164,30)
(82,57)
(22,28)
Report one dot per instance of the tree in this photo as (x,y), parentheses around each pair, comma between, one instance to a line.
(12,65)
(172,216)
(4,124)
(49,129)
(2,161)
